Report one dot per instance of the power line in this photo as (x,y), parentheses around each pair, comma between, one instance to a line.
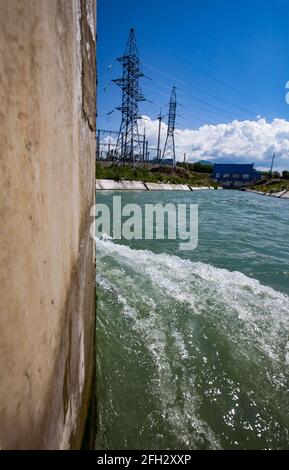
(213,106)
(223,100)
(223,113)
(209,94)
(106,114)
(159,71)
(204,110)
(106,69)
(199,100)
(156,91)
(188,117)
(157,82)
(196,106)
(190,64)
(185,119)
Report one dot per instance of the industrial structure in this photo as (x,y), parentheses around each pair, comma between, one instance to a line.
(169,148)
(234,175)
(106,142)
(129,147)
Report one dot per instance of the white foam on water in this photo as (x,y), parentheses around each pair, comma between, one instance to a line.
(255,317)
(185,423)
(260,307)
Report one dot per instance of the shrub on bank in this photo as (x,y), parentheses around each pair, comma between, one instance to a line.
(153,175)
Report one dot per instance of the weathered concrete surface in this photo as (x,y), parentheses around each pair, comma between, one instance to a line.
(109,184)
(255,191)
(112,185)
(156,186)
(117,185)
(166,187)
(199,188)
(134,185)
(47,152)
(278,194)
(138,186)
(180,187)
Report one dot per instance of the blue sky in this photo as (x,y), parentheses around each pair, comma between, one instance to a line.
(228,59)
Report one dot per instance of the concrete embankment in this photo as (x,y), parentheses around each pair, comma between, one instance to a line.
(166,187)
(47,266)
(103,184)
(278,194)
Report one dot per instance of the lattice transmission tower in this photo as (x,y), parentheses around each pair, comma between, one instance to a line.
(129,147)
(169,148)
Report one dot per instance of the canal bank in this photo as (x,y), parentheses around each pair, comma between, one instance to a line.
(125,185)
(278,194)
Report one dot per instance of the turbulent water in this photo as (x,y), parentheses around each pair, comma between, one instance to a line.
(193,347)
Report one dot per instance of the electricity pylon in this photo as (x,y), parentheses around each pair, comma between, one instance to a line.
(169,148)
(128,146)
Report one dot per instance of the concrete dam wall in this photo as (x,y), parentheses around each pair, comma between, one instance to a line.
(47,270)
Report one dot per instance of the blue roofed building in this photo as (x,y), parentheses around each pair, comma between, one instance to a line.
(235,175)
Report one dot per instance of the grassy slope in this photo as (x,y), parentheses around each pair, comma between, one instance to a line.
(177,176)
(272,186)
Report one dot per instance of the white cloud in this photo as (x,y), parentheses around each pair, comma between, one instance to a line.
(237,141)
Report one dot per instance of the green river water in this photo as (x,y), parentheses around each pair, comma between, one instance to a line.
(193,346)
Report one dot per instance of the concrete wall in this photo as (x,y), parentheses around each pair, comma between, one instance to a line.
(112,185)
(278,194)
(47,272)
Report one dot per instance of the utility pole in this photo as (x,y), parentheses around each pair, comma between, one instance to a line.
(144,144)
(109,147)
(169,148)
(98,145)
(185,160)
(160,117)
(147,153)
(129,146)
(272,164)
